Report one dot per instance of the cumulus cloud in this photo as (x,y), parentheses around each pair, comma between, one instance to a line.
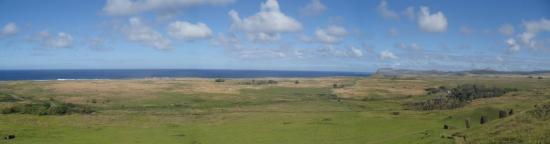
(140,32)
(315,7)
(130,7)
(331,34)
(387,55)
(512,45)
(59,40)
(356,52)
(9,29)
(506,29)
(532,28)
(342,52)
(266,24)
(188,31)
(385,11)
(431,22)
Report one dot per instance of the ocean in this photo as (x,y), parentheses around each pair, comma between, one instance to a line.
(8,75)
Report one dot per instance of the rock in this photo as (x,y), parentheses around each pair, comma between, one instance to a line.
(467,122)
(502,114)
(482,120)
(11,136)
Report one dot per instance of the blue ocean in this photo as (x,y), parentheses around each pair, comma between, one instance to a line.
(6,75)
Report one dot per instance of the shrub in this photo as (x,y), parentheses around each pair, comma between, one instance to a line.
(457,97)
(337,86)
(259,82)
(6,98)
(47,108)
(219,80)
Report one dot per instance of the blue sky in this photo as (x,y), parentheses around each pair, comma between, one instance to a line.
(326,35)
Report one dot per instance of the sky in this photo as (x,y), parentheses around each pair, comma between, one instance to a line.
(320,35)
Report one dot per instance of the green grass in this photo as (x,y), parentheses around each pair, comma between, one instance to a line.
(277,114)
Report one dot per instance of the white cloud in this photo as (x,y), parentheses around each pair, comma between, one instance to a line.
(61,40)
(409,13)
(264,53)
(130,7)
(436,22)
(100,43)
(387,55)
(188,31)
(140,32)
(356,52)
(331,34)
(332,51)
(266,24)
(512,45)
(415,46)
(227,41)
(412,46)
(9,29)
(315,7)
(506,29)
(499,59)
(386,12)
(532,28)
(263,37)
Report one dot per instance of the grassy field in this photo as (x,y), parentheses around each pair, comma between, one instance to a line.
(312,111)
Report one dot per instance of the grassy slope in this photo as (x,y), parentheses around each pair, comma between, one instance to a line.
(201,111)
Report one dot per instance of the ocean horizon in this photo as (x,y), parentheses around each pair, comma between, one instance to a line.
(104,74)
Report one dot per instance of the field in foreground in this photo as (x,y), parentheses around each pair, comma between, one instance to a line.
(291,110)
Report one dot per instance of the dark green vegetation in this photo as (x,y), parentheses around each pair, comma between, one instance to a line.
(458,96)
(219,80)
(47,108)
(241,111)
(258,82)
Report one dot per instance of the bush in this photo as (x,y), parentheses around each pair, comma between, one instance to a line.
(219,80)
(337,86)
(6,98)
(259,82)
(469,92)
(458,97)
(47,108)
